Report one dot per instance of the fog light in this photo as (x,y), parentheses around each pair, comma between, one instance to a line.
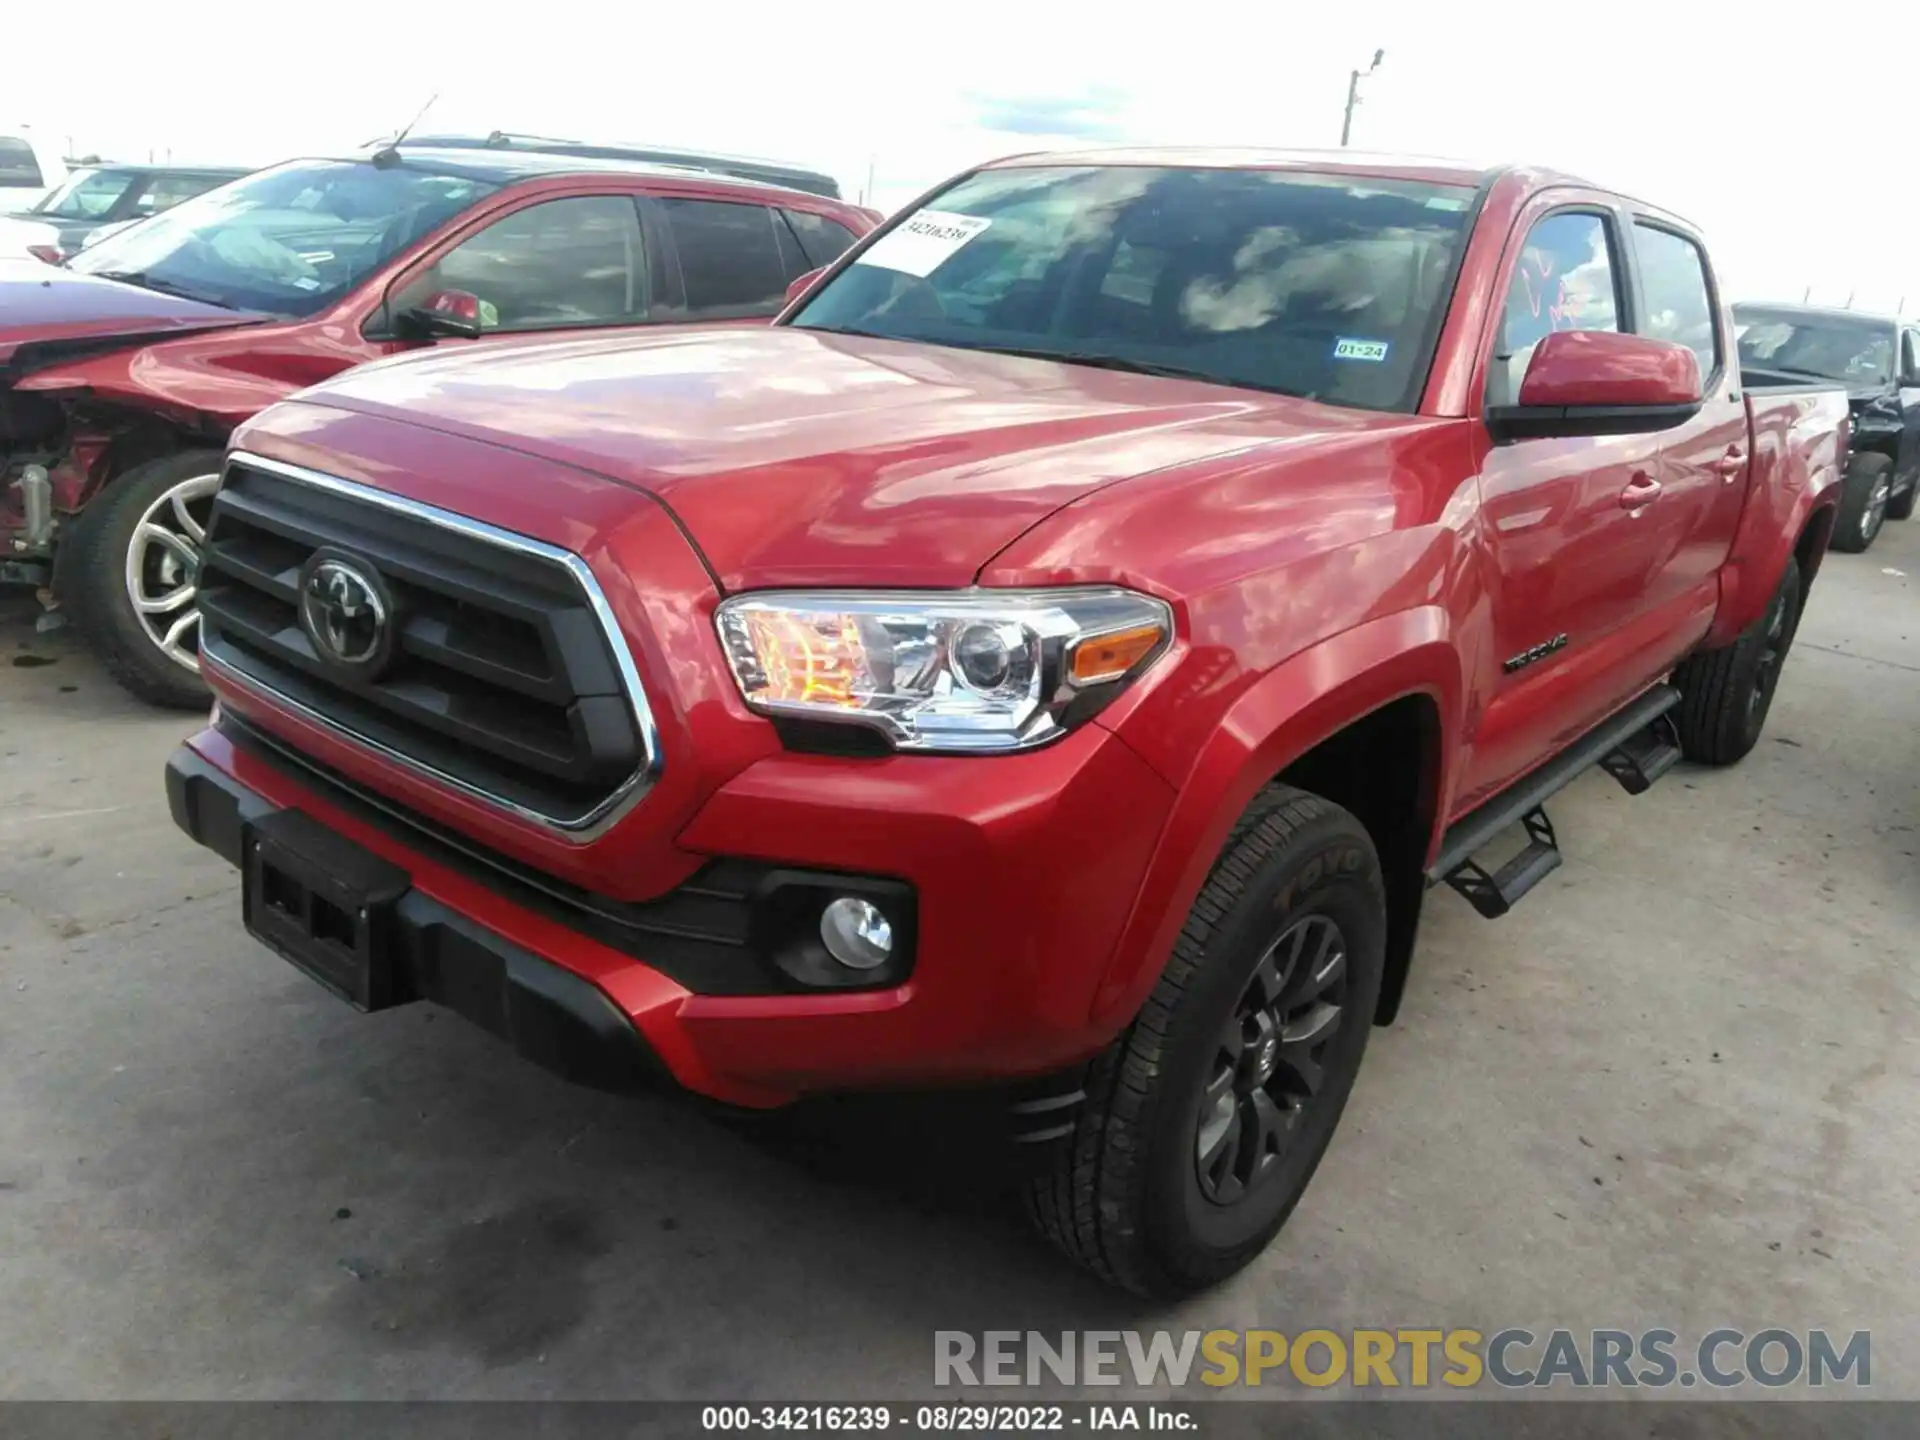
(856,933)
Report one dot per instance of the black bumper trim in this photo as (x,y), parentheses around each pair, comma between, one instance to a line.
(547,1014)
(703,934)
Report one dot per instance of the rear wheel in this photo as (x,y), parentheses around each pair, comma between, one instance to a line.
(1725,694)
(135,584)
(1900,506)
(1206,1119)
(1864,496)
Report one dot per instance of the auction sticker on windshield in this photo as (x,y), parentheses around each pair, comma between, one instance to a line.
(921,245)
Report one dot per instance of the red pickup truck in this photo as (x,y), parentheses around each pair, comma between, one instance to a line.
(1056,657)
(123,373)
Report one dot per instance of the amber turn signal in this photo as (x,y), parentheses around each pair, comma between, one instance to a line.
(1100,658)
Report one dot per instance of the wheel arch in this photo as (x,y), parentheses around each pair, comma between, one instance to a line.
(1389,692)
(1810,546)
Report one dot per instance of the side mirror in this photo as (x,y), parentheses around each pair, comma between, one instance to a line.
(803,284)
(445,313)
(1598,382)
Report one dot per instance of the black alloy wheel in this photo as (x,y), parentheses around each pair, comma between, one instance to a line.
(1269,1066)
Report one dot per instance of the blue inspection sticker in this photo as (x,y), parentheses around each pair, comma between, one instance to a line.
(1347,348)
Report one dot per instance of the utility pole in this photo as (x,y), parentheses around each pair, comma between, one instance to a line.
(866,194)
(1353,94)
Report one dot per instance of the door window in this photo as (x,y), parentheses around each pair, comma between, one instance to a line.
(823,240)
(1565,280)
(1679,301)
(572,262)
(17,165)
(730,259)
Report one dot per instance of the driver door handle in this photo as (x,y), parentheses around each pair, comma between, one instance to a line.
(1641,491)
(1731,464)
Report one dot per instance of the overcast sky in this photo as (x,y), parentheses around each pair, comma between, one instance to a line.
(1786,137)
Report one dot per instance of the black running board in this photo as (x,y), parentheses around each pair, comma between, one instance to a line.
(1636,747)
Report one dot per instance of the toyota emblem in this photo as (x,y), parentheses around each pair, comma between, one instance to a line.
(344,611)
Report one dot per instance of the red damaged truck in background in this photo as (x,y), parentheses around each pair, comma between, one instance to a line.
(123,372)
(1056,657)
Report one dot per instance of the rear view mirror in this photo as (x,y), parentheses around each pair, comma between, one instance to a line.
(803,284)
(1599,382)
(445,313)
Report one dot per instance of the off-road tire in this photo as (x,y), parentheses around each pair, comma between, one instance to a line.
(94,582)
(1721,712)
(1859,522)
(1119,1199)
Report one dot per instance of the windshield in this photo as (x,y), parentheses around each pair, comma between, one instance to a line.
(86,195)
(1317,285)
(1821,347)
(287,241)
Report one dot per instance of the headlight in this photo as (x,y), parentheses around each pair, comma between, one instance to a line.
(953,670)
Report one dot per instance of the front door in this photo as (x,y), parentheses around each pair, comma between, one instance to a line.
(1566,519)
(578,262)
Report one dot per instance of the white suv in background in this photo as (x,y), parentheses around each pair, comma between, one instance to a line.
(29,167)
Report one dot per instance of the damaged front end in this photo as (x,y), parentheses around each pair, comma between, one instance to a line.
(34,443)
(52,460)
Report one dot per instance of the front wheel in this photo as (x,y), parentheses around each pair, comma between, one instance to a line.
(135,585)
(1864,495)
(1205,1120)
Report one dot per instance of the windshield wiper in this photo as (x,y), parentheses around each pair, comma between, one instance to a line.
(1109,362)
(165,287)
(1100,361)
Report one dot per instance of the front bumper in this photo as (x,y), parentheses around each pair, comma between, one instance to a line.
(1024,870)
(547,1014)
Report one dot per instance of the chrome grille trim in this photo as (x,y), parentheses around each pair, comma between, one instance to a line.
(580,829)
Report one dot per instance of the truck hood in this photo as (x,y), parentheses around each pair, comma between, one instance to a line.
(796,457)
(44,305)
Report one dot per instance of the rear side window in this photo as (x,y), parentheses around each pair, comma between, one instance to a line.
(824,240)
(17,165)
(730,260)
(1679,302)
(1565,280)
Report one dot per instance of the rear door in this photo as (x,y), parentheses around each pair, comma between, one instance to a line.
(1572,565)
(1686,533)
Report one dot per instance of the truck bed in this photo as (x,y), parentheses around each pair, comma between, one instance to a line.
(1780,382)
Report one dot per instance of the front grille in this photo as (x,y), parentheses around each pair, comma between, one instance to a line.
(503,679)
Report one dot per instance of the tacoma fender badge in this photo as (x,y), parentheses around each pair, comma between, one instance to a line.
(1538,652)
